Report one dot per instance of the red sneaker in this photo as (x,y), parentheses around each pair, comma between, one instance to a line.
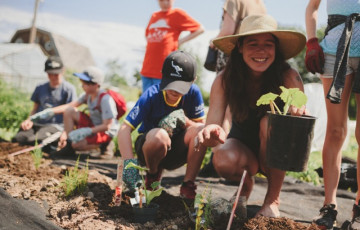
(187,190)
(151,178)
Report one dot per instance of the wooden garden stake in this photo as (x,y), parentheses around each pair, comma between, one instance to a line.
(118,189)
(46,141)
(236,200)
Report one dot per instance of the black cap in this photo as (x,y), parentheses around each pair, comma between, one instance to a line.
(178,72)
(54,65)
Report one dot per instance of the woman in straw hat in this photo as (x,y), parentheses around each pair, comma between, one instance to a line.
(257,65)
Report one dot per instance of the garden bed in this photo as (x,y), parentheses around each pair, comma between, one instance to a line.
(95,208)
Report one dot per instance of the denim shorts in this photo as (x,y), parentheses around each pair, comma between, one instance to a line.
(351,67)
(148,81)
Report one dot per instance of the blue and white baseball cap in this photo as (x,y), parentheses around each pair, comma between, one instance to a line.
(91,74)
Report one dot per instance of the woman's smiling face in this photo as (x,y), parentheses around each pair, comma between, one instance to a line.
(258,52)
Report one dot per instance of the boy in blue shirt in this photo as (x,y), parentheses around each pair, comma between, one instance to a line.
(46,96)
(170,113)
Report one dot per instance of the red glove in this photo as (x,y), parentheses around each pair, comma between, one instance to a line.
(314,58)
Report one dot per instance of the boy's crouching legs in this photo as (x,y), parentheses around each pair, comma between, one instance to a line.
(156,145)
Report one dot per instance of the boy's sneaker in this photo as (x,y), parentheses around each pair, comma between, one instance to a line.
(187,190)
(355,222)
(151,178)
(327,218)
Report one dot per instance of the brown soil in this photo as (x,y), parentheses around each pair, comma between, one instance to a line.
(95,208)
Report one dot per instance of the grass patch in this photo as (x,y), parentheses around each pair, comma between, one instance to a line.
(37,156)
(315,162)
(310,175)
(75,180)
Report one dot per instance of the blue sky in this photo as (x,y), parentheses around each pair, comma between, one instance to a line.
(137,12)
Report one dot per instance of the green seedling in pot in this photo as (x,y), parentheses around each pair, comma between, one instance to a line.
(291,96)
(149,195)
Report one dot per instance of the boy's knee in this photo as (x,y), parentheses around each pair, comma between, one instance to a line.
(69,111)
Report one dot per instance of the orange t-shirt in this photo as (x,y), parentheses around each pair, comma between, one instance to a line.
(162,34)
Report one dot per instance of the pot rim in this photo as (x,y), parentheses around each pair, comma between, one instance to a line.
(289,115)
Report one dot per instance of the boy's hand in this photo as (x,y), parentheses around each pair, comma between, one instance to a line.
(314,58)
(174,122)
(79,134)
(131,176)
(27,124)
(43,115)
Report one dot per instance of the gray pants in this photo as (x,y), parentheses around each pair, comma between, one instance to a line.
(37,132)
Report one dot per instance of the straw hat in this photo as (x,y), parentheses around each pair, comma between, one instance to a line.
(290,42)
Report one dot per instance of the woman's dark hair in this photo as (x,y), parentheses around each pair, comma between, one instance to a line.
(236,77)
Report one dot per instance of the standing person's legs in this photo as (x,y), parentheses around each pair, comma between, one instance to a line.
(355,221)
(357,135)
(336,130)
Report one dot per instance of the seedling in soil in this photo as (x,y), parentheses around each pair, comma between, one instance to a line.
(149,195)
(75,180)
(37,155)
(203,215)
(292,96)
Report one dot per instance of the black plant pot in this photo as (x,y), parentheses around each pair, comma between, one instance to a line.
(289,141)
(146,213)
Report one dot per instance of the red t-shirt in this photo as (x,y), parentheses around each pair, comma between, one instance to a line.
(162,34)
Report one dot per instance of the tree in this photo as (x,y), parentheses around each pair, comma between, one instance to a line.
(114,74)
(137,77)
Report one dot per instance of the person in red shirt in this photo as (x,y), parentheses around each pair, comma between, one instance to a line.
(162,36)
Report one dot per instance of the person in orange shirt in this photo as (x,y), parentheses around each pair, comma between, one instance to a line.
(162,36)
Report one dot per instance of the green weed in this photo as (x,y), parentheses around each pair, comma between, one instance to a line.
(75,180)
(37,155)
(203,215)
